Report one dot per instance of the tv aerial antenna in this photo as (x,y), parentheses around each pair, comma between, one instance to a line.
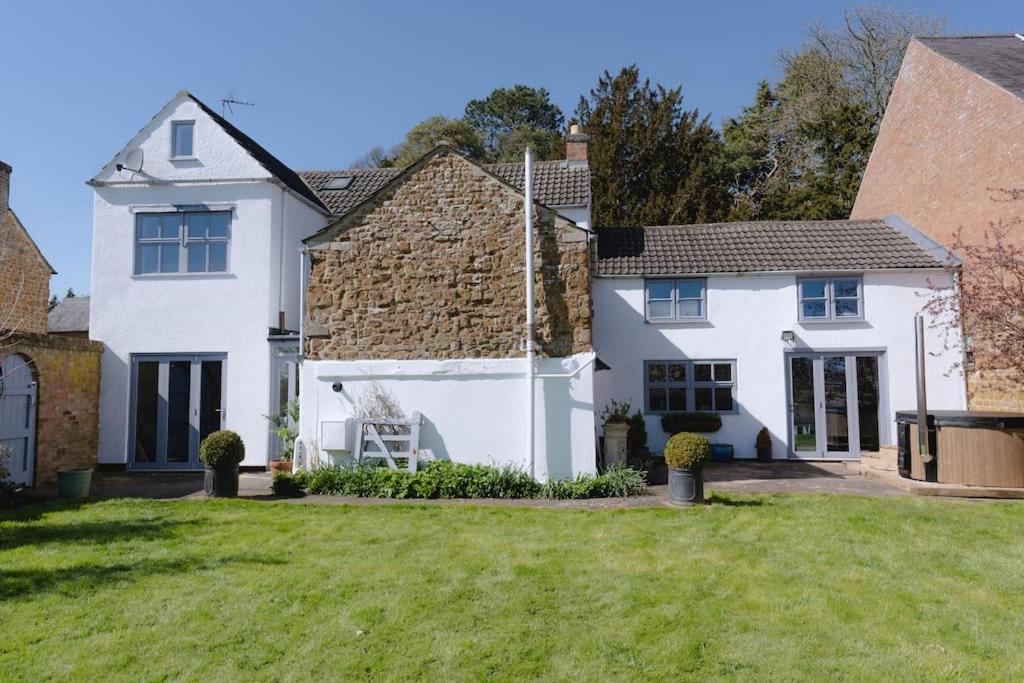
(227,102)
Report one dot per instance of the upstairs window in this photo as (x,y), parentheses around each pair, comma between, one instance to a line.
(830,298)
(181,139)
(679,299)
(187,242)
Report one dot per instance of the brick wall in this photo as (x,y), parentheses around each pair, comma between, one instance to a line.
(435,271)
(67,412)
(24,273)
(949,154)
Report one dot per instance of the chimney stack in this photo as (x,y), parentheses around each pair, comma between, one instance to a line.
(576,143)
(5,188)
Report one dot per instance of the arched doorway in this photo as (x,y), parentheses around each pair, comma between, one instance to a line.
(18,391)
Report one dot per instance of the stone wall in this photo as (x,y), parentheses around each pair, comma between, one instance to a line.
(947,158)
(67,413)
(24,279)
(434,270)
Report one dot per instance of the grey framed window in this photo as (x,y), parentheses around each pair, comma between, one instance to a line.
(830,298)
(676,299)
(182,242)
(182,133)
(673,385)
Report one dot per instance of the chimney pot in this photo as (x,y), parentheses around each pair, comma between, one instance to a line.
(5,188)
(576,144)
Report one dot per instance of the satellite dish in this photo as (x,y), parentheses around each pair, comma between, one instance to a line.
(132,161)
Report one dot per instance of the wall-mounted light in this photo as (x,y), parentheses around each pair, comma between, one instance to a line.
(788,336)
(337,387)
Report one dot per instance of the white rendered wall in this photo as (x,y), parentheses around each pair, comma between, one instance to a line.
(746,317)
(473,410)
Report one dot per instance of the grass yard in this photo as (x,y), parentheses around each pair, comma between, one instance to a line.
(797,587)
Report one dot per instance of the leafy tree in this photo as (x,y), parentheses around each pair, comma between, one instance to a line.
(509,119)
(427,134)
(652,162)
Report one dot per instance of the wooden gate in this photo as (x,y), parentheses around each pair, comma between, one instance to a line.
(18,418)
(389,440)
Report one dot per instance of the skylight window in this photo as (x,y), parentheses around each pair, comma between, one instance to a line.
(338,182)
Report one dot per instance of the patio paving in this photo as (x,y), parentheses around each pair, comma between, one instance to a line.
(734,477)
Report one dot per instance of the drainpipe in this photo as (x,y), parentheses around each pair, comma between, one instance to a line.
(529,315)
(303,254)
(922,398)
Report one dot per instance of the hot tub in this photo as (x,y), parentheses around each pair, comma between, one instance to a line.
(969,448)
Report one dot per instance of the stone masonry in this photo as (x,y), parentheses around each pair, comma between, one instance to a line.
(24,273)
(949,156)
(434,270)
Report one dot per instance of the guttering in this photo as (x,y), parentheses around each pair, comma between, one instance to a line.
(530,370)
(770,273)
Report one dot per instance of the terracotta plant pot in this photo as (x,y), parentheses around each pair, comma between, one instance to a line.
(280,466)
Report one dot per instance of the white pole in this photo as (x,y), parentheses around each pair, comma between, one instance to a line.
(529,314)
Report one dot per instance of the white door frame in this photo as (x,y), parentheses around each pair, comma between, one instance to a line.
(284,355)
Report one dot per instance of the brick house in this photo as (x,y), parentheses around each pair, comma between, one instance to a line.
(49,386)
(950,152)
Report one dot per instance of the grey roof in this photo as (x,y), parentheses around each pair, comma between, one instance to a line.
(999,59)
(766,246)
(555,183)
(71,314)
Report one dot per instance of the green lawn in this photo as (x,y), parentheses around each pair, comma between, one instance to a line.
(753,587)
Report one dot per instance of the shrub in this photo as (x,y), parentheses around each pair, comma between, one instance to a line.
(693,421)
(764,438)
(637,433)
(222,449)
(288,484)
(686,451)
(615,412)
(620,482)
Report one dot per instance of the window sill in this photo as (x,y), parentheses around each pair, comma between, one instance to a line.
(184,276)
(188,158)
(835,322)
(695,322)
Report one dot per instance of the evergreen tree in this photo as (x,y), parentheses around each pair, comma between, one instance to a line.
(510,119)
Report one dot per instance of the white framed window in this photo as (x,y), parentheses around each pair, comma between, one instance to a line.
(676,299)
(182,242)
(182,133)
(682,385)
(830,298)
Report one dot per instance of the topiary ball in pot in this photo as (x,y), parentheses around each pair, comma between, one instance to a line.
(221,452)
(763,442)
(685,455)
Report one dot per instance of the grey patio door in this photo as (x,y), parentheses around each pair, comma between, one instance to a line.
(18,418)
(177,400)
(833,405)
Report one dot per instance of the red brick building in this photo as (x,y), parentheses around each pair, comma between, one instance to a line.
(950,152)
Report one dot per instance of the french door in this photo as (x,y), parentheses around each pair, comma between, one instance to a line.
(177,400)
(834,403)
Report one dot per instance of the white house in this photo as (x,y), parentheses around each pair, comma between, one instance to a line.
(197,232)
(803,327)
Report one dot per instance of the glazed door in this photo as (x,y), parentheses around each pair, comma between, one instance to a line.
(833,405)
(176,402)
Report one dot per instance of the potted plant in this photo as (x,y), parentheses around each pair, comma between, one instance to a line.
(616,431)
(702,421)
(74,483)
(764,445)
(221,452)
(685,455)
(284,426)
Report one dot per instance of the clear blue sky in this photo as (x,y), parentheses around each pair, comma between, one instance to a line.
(332,79)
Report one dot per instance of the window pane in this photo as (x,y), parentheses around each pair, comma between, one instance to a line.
(219,224)
(702,372)
(723,398)
(182,143)
(169,258)
(659,290)
(198,224)
(146,257)
(196,258)
(691,289)
(660,309)
(656,399)
(656,373)
(690,309)
(867,402)
(847,308)
(702,399)
(677,399)
(149,226)
(723,372)
(845,288)
(813,309)
(170,226)
(676,373)
(218,257)
(812,289)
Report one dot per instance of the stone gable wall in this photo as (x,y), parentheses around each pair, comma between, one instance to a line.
(435,271)
(24,279)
